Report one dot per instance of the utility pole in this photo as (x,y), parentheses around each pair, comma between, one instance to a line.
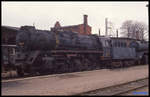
(117,33)
(106,26)
(33,24)
(99,32)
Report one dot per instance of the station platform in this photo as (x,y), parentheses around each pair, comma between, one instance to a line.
(72,83)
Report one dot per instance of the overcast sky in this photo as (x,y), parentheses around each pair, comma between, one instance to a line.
(45,14)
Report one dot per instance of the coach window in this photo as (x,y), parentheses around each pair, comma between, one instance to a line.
(122,45)
(117,44)
(125,44)
(113,44)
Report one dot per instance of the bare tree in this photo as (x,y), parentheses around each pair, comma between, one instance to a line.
(134,29)
(126,28)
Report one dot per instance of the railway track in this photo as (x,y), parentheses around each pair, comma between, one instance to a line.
(138,91)
(120,89)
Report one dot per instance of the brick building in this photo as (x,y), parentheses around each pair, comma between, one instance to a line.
(81,28)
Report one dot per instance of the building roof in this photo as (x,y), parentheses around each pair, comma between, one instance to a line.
(126,38)
(69,26)
(11,28)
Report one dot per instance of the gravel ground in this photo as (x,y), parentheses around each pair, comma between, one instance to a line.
(72,83)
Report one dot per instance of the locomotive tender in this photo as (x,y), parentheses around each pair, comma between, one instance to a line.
(41,51)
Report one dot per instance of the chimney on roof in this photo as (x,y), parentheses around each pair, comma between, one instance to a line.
(85,23)
(85,19)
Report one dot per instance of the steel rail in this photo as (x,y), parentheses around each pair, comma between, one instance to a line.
(104,91)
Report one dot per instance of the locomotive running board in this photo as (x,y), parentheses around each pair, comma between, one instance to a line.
(75,51)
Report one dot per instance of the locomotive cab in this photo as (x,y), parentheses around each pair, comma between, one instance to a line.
(106,45)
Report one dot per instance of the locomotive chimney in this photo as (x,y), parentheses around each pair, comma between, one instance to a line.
(85,23)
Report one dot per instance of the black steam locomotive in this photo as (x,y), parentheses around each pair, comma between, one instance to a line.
(41,51)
